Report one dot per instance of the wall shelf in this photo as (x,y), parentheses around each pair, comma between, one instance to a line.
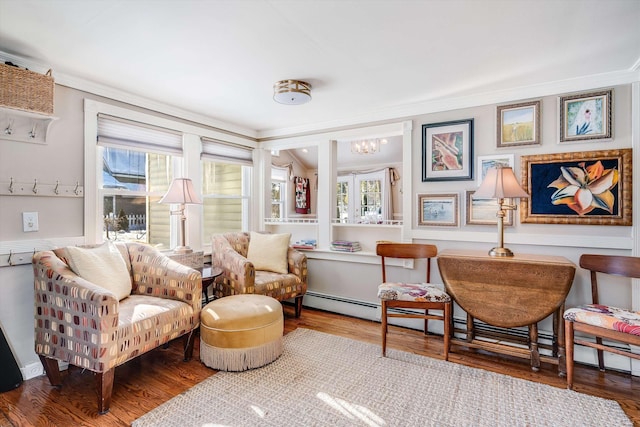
(24,126)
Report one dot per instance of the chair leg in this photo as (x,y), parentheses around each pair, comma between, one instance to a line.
(188,344)
(600,355)
(383,318)
(426,322)
(568,337)
(52,370)
(447,330)
(104,386)
(298,304)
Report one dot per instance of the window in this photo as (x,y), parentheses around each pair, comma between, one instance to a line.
(135,159)
(363,198)
(342,194)
(226,178)
(278,192)
(138,164)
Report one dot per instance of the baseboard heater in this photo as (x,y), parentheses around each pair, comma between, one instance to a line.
(482,330)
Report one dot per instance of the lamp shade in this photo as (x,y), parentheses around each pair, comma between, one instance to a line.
(181,191)
(499,183)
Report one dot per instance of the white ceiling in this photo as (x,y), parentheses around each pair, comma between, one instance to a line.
(364,59)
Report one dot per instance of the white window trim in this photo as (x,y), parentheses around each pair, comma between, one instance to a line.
(191,158)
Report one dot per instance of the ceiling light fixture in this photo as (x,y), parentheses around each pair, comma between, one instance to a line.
(292,92)
(367,146)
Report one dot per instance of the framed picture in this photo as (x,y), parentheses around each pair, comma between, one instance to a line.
(586,116)
(487,162)
(518,124)
(438,209)
(592,188)
(447,151)
(483,211)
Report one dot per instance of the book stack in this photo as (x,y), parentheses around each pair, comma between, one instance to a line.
(304,244)
(345,246)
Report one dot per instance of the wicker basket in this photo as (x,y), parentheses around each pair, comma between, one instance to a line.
(26,90)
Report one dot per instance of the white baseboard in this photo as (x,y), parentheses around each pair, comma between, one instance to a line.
(371,311)
(32,370)
(35,369)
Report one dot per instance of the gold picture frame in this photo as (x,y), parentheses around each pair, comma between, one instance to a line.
(438,209)
(518,124)
(586,116)
(558,185)
(483,211)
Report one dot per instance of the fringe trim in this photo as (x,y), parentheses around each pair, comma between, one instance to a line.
(240,359)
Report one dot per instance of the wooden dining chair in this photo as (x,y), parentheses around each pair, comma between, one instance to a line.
(423,296)
(603,321)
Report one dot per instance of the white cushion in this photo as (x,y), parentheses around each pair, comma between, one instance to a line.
(102,266)
(269,252)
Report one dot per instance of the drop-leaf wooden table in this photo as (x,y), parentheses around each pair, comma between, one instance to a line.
(510,292)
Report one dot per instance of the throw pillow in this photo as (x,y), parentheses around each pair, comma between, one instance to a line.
(102,266)
(269,252)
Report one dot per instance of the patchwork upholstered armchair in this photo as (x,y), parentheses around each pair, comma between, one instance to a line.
(245,270)
(79,321)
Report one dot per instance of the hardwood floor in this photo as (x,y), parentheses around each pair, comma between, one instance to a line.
(156,377)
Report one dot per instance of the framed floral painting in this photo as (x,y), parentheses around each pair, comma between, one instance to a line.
(586,116)
(591,188)
(447,151)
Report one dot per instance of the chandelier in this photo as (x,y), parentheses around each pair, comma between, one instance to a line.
(367,146)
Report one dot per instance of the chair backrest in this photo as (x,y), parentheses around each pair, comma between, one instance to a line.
(406,251)
(625,266)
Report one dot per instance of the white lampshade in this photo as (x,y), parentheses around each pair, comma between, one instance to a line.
(499,183)
(181,191)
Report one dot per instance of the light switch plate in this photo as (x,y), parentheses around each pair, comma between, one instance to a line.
(29,221)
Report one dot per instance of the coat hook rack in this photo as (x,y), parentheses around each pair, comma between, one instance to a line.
(17,257)
(24,126)
(38,188)
(9,129)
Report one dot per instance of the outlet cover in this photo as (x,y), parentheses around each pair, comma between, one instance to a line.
(29,221)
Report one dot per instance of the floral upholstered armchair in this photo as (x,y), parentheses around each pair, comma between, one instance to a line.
(97,328)
(243,275)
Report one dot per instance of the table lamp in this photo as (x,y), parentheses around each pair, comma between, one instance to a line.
(500,183)
(181,192)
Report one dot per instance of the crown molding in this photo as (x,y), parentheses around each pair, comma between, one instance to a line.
(121,96)
(394,113)
(487,98)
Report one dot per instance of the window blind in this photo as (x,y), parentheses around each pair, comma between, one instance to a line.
(125,134)
(225,152)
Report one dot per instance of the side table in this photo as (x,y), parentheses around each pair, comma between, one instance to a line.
(510,292)
(209,274)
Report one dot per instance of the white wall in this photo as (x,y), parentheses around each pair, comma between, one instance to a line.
(62,219)
(333,286)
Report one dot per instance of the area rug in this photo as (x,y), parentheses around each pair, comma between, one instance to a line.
(326,380)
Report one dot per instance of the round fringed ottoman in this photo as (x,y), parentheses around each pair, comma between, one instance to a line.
(241,332)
